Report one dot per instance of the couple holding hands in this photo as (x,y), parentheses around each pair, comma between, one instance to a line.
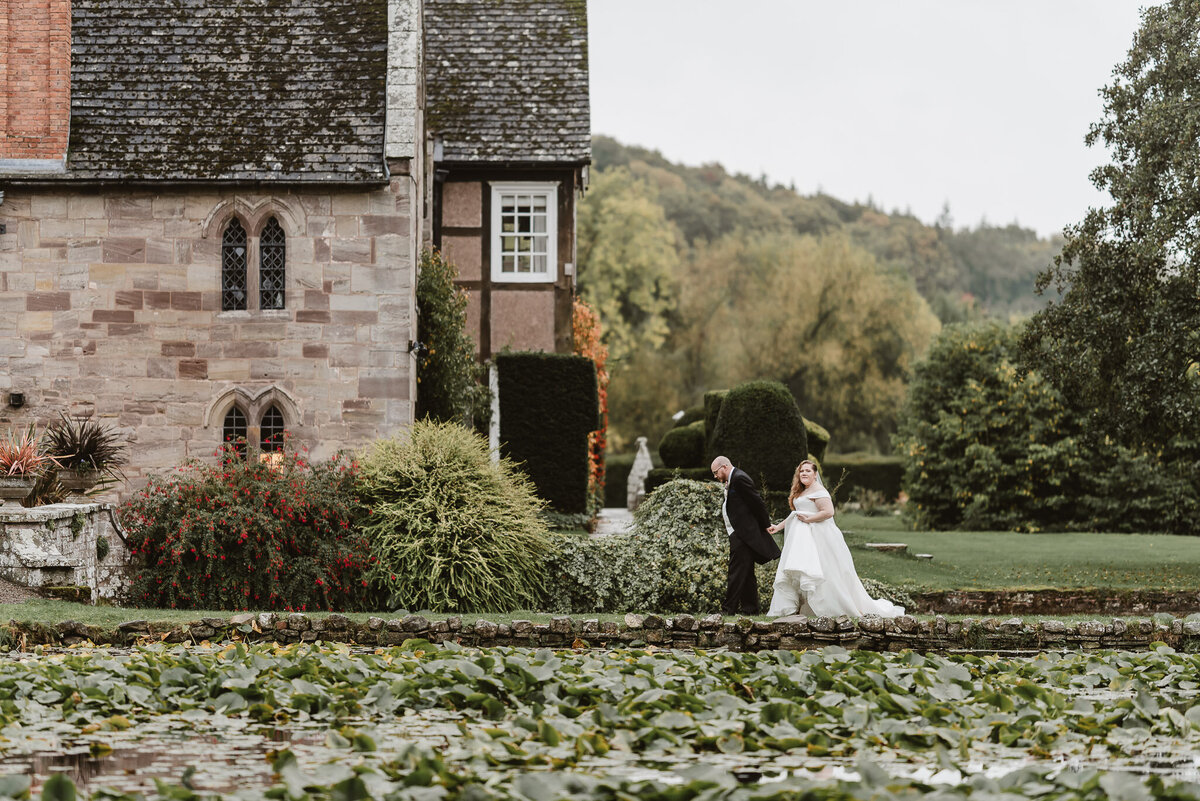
(816,575)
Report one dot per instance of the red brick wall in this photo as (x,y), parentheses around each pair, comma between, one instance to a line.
(35,79)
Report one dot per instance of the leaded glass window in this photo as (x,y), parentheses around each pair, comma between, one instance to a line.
(233,267)
(271,430)
(233,431)
(272,272)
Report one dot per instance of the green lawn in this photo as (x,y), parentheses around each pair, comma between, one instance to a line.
(961,560)
(989,560)
(110,616)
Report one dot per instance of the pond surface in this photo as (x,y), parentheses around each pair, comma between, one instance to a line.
(224,719)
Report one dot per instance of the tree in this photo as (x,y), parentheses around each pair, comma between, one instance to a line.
(627,257)
(1123,334)
(986,446)
(816,314)
(449,377)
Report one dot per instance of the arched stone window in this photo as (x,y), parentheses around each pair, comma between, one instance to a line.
(233,267)
(258,416)
(272,270)
(233,430)
(271,429)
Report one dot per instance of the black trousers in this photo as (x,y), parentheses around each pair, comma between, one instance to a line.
(741,595)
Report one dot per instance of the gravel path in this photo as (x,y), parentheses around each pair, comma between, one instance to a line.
(11,593)
(613,520)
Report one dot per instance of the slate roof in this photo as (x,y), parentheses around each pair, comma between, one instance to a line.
(507,80)
(216,90)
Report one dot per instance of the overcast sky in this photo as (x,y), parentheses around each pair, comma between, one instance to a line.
(981,104)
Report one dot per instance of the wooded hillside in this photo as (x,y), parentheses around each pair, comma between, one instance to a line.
(703,279)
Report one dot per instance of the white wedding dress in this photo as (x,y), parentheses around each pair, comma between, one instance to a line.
(816,575)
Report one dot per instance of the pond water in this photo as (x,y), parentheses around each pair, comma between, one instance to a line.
(938,731)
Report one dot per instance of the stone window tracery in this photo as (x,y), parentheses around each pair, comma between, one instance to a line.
(272,270)
(233,267)
(271,430)
(233,431)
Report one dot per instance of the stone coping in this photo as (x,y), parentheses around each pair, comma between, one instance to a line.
(680,631)
(50,511)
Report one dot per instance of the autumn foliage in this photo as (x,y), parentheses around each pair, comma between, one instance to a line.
(586,329)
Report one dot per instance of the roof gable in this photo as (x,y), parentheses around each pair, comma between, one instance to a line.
(507,80)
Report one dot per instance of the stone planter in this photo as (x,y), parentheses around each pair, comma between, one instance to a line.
(77,481)
(14,489)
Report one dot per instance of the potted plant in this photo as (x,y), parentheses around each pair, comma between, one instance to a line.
(86,453)
(21,462)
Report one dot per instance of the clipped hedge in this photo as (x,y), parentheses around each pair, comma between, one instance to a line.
(818,439)
(661,475)
(761,430)
(712,410)
(675,559)
(690,416)
(549,403)
(683,447)
(616,478)
(859,471)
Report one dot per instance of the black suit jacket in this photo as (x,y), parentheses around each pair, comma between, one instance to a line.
(749,518)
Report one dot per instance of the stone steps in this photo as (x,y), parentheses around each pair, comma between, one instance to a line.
(886,547)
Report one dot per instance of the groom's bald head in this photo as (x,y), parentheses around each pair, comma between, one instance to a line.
(721,468)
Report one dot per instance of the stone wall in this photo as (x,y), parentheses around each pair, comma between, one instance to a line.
(64,544)
(1056,602)
(638,631)
(110,306)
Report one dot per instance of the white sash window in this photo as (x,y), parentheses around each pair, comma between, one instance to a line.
(524,232)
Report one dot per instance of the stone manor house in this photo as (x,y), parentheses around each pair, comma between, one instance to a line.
(212,211)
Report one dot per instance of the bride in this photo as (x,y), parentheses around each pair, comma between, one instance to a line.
(816,575)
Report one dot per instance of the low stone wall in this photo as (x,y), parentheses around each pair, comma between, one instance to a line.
(1056,602)
(681,631)
(64,544)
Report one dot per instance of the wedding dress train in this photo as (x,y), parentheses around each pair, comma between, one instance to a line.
(816,575)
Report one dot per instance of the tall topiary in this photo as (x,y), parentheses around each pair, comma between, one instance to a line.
(450,530)
(683,446)
(761,430)
(548,406)
(818,439)
(449,379)
(712,410)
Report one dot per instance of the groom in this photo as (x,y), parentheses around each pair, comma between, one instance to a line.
(746,522)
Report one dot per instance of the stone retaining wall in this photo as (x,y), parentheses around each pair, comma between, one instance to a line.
(682,631)
(1056,602)
(64,544)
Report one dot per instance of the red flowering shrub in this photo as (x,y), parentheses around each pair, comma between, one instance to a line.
(249,534)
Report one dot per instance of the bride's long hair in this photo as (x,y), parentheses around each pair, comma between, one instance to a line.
(797,487)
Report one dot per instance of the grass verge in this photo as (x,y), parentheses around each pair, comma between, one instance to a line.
(1005,560)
